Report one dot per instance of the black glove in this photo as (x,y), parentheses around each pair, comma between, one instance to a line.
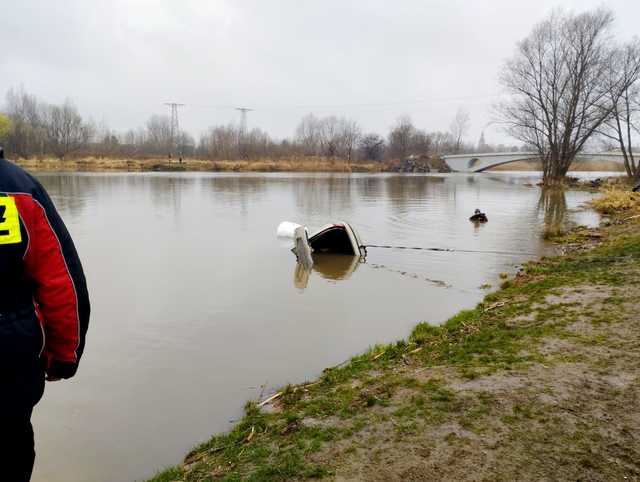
(58,369)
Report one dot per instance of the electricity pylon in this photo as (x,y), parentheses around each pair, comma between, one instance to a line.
(243,120)
(174,127)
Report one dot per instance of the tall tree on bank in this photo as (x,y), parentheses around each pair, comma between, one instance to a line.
(559,87)
(65,130)
(623,126)
(459,128)
(371,147)
(401,138)
(27,136)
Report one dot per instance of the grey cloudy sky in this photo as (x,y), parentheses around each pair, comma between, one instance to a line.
(371,60)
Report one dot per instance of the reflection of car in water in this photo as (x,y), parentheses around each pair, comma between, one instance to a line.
(333,267)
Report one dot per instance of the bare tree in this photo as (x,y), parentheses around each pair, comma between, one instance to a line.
(309,133)
(623,126)
(220,143)
(24,111)
(65,130)
(158,134)
(371,147)
(330,136)
(401,137)
(558,85)
(350,134)
(442,142)
(459,128)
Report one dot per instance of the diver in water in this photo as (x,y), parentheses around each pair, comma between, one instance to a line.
(479,217)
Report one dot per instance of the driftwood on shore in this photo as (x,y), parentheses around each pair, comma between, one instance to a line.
(270,399)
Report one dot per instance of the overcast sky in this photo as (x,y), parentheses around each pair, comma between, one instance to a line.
(372,60)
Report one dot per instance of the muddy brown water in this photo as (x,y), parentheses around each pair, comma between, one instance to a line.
(197,306)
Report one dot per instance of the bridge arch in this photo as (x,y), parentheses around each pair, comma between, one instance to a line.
(479,162)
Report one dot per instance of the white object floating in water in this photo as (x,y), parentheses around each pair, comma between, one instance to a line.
(287,229)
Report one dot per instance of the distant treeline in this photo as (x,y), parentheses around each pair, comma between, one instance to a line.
(30,127)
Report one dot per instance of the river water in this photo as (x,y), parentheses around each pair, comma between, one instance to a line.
(197,306)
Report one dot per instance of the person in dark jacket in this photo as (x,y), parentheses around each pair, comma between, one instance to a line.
(44,311)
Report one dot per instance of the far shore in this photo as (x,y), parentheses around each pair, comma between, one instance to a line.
(303,164)
(94,164)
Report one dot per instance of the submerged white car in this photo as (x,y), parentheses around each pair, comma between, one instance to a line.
(335,238)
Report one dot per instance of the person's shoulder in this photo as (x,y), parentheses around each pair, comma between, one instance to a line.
(10,167)
(13,178)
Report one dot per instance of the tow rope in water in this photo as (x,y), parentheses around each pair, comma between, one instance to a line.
(448,250)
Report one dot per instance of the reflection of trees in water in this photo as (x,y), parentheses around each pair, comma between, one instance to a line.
(236,185)
(510,179)
(553,205)
(402,190)
(322,195)
(165,191)
(241,191)
(369,187)
(73,192)
(69,192)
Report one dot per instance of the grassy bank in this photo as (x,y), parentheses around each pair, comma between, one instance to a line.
(307,164)
(540,381)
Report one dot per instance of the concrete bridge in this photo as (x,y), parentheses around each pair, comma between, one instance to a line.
(482,162)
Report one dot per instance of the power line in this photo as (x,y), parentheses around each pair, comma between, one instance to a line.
(329,107)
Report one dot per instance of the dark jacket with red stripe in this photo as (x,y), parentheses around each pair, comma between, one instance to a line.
(42,271)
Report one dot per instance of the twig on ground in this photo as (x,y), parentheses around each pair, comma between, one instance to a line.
(495,305)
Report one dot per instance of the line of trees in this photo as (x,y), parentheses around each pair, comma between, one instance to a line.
(30,127)
(34,127)
(570,82)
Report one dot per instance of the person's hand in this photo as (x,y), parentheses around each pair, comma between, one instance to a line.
(58,370)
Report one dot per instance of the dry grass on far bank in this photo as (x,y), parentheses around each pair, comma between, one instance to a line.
(93,164)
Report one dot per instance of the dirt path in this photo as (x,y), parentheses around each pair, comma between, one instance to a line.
(541,381)
(570,415)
